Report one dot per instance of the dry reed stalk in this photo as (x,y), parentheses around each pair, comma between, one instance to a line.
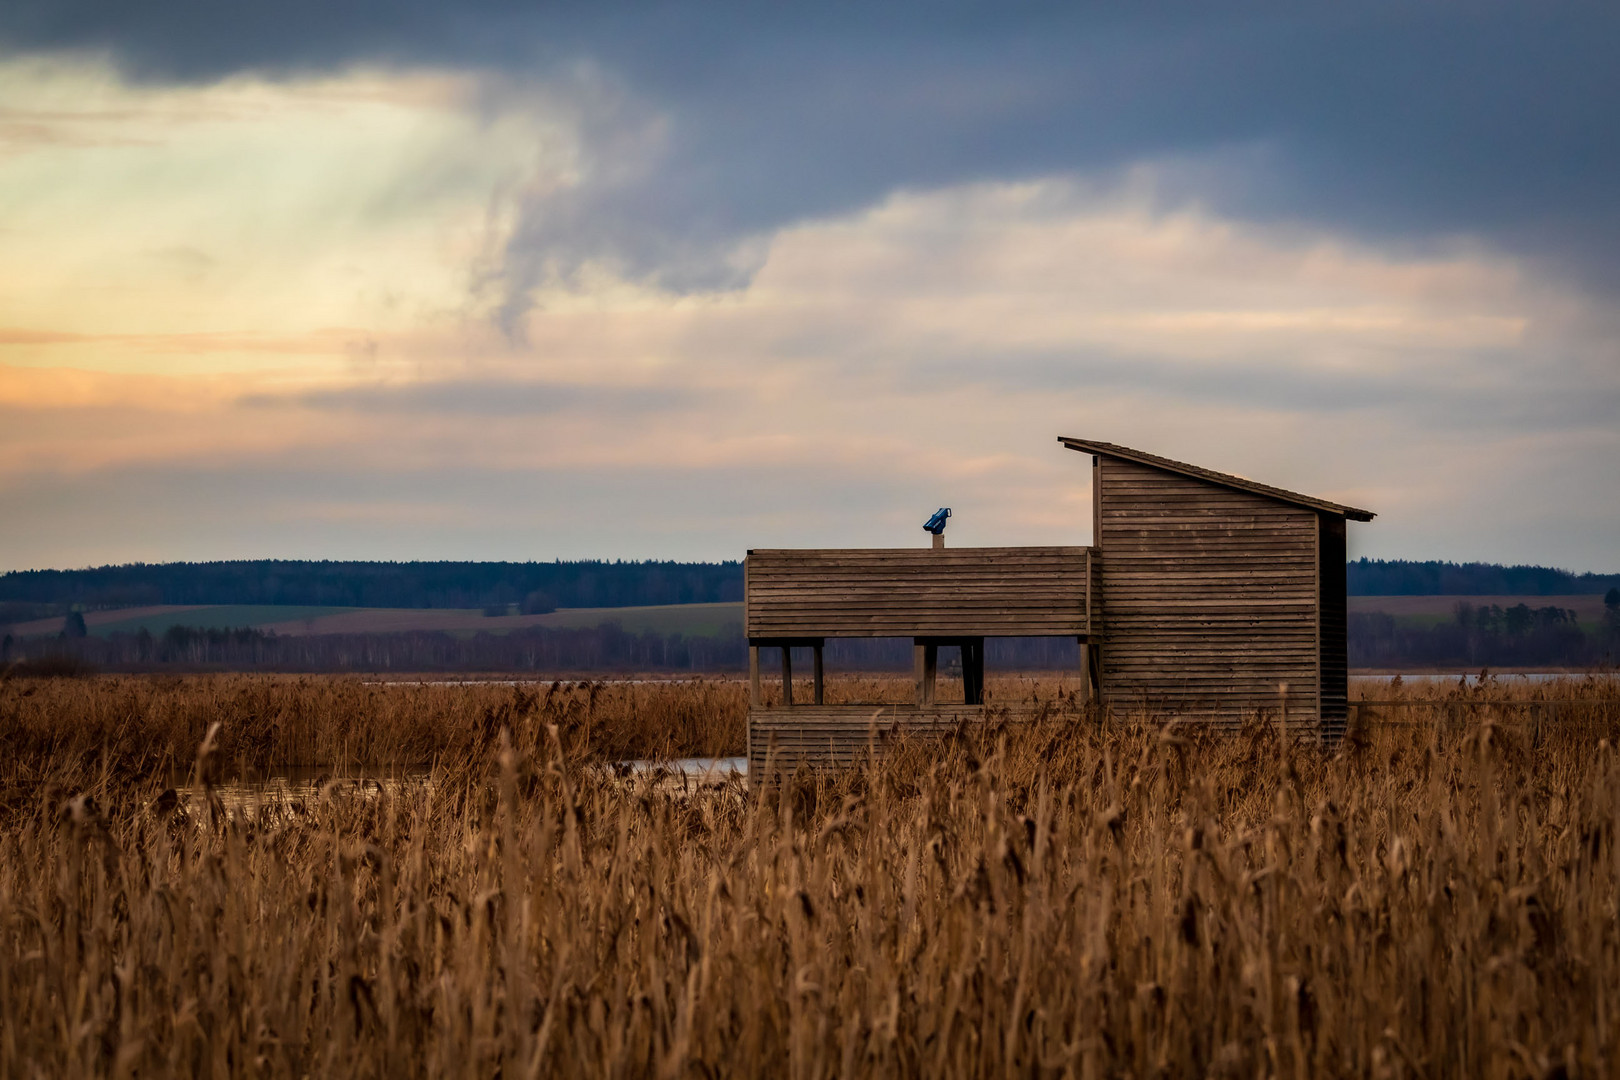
(1055,898)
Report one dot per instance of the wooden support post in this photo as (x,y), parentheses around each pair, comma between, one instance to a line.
(1086,695)
(925,665)
(917,662)
(819,697)
(973,671)
(787,675)
(756,697)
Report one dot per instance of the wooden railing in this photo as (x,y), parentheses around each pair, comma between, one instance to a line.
(805,594)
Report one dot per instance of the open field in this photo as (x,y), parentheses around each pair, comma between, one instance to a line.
(1074,897)
(158,618)
(690,619)
(102,622)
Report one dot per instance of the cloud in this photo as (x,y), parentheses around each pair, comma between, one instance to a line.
(244,222)
(922,352)
(706,127)
(481,398)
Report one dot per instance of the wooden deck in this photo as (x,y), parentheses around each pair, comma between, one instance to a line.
(839,735)
(936,597)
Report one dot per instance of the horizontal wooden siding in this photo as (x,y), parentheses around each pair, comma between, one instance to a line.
(1209,596)
(901,592)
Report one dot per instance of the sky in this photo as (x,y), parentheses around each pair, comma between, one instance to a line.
(496,280)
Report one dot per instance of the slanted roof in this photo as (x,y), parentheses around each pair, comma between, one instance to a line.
(1125,453)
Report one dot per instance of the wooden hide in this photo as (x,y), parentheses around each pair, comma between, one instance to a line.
(1202,596)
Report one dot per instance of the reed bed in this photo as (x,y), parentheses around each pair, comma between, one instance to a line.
(142,727)
(1085,896)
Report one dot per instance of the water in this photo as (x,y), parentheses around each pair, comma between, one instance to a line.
(299,788)
(698,770)
(1472,679)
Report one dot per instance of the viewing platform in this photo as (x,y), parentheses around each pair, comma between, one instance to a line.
(798,598)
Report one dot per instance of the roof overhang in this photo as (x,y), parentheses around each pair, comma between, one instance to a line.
(1125,453)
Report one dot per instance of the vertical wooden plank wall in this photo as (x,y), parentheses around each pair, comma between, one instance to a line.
(1209,596)
(1335,660)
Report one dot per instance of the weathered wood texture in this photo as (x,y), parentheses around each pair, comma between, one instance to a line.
(957,592)
(841,734)
(1210,596)
(1335,630)
(1224,481)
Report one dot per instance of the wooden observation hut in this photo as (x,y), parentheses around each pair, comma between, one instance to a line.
(1200,596)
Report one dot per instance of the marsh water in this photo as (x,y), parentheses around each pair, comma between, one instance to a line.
(295,787)
(1468,678)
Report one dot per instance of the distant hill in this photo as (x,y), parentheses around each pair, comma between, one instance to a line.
(535,587)
(1398,577)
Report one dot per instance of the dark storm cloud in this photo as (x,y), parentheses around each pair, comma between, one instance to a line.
(1400,122)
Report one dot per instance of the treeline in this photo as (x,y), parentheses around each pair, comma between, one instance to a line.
(538,586)
(537,650)
(1487,636)
(1484,636)
(534,586)
(1399,577)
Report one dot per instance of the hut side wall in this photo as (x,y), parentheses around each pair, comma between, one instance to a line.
(1209,596)
(1333,578)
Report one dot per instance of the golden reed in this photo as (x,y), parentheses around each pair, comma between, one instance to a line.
(1058,898)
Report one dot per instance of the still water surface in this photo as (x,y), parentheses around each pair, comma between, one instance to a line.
(299,787)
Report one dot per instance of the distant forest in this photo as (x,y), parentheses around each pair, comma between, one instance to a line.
(536,587)
(539,586)
(1477,636)
(1398,577)
(1487,636)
